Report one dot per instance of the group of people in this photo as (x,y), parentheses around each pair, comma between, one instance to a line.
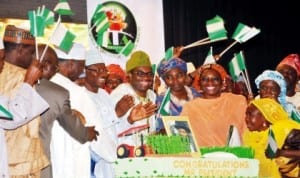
(66,125)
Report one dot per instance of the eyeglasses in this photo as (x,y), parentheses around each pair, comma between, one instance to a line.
(143,74)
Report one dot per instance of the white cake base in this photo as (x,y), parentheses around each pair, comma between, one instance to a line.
(186,167)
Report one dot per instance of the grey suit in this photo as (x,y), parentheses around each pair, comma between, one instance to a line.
(58,99)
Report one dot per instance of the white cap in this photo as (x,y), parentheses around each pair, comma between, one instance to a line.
(93,57)
(1,43)
(77,52)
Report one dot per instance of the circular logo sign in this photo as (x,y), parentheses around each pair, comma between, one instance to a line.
(113,29)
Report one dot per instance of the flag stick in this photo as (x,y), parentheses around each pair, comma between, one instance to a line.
(225,50)
(247,76)
(199,44)
(35,34)
(50,38)
(195,43)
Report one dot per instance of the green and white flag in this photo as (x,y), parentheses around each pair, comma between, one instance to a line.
(37,24)
(169,53)
(243,33)
(295,115)
(63,38)
(47,15)
(209,58)
(215,29)
(5,114)
(237,65)
(63,8)
(272,145)
(164,108)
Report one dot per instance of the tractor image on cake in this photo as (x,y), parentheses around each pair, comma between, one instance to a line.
(139,149)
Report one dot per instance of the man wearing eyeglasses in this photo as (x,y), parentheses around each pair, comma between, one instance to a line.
(137,107)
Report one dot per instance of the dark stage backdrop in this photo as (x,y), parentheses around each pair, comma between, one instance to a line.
(278,20)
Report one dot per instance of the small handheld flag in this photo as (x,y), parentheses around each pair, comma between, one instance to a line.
(5,114)
(272,146)
(243,33)
(63,38)
(210,58)
(233,138)
(164,108)
(63,8)
(215,29)
(237,65)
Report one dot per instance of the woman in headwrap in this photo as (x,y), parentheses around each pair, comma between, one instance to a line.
(116,76)
(174,73)
(266,117)
(289,67)
(227,85)
(212,114)
(271,84)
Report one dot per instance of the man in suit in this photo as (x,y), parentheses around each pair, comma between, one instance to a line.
(60,110)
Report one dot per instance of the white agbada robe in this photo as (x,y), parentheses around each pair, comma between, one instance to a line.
(102,110)
(69,158)
(117,94)
(25,106)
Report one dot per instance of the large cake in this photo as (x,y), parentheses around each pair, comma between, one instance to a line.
(165,160)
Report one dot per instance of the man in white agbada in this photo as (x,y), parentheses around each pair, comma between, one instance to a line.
(102,110)
(24,106)
(70,159)
(135,101)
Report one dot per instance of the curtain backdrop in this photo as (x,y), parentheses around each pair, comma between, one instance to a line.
(184,22)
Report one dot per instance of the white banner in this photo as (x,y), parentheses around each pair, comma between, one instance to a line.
(118,28)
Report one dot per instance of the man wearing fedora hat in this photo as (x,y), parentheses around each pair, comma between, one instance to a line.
(25,153)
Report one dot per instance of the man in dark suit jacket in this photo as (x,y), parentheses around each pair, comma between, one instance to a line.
(60,110)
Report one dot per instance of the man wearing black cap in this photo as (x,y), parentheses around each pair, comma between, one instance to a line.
(25,154)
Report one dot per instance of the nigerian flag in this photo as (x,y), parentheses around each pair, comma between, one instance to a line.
(37,24)
(215,29)
(237,65)
(272,145)
(169,53)
(47,15)
(295,115)
(164,108)
(63,38)
(243,33)
(209,58)
(5,114)
(63,8)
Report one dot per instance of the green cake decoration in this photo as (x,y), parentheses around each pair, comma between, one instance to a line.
(163,144)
